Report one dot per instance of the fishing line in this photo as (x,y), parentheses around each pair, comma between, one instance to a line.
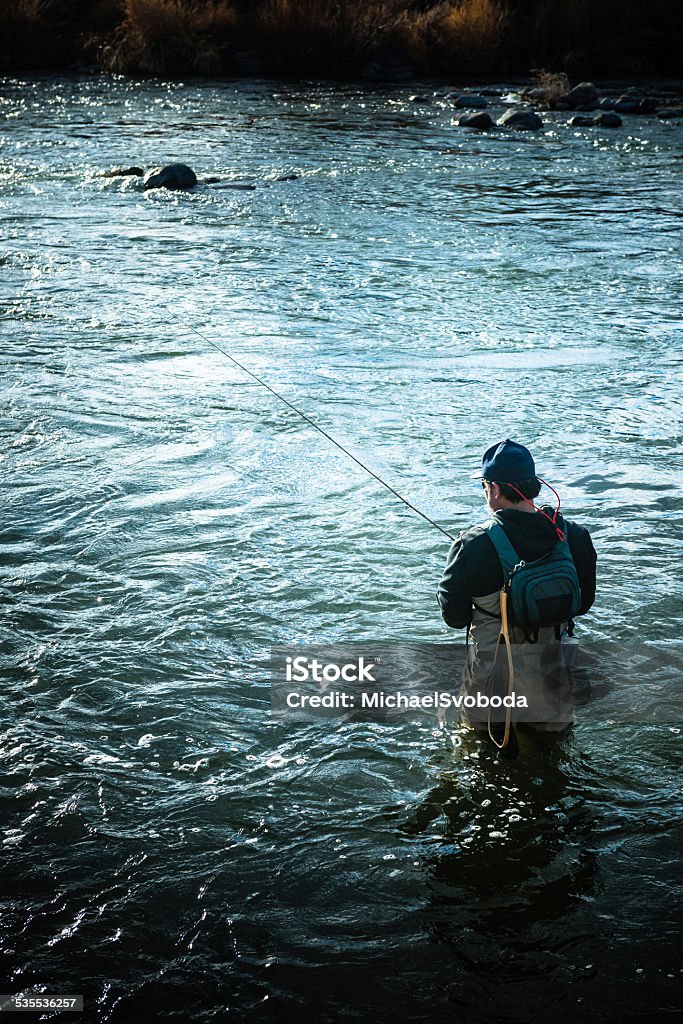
(308,420)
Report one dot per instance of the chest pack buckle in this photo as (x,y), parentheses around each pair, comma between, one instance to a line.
(540,593)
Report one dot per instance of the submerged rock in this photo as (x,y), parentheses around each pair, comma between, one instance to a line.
(627,104)
(670,112)
(608,119)
(605,119)
(480,120)
(173,176)
(522,118)
(122,172)
(471,100)
(236,186)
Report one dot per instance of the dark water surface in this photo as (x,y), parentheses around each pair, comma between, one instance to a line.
(168,850)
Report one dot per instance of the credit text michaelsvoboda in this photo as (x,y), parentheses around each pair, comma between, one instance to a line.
(394,700)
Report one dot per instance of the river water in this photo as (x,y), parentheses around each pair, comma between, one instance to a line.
(169,850)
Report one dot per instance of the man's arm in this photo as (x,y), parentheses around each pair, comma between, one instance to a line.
(453,593)
(585,558)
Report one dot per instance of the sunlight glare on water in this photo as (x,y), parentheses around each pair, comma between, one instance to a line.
(420,292)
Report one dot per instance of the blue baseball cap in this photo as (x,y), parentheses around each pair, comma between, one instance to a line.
(507,462)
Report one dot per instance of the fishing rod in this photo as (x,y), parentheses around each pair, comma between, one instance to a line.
(307,419)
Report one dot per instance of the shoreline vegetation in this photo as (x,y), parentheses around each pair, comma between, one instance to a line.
(371,40)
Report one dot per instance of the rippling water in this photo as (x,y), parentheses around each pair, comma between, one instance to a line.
(170,852)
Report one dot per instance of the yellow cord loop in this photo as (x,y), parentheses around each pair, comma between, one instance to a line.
(504,635)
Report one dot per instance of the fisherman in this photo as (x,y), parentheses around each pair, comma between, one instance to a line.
(537,565)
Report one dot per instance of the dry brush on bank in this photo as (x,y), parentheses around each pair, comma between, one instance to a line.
(392,39)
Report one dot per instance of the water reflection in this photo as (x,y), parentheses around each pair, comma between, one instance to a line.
(512,871)
(419,295)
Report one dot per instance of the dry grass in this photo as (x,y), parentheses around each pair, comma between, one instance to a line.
(306,37)
(333,36)
(339,38)
(553,84)
(326,37)
(19,21)
(318,36)
(472,25)
(291,37)
(167,36)
(460,36)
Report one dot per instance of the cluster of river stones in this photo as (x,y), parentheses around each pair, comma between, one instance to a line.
(584,98)
(592,110)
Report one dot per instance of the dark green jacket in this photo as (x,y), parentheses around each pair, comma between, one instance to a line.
(473,568)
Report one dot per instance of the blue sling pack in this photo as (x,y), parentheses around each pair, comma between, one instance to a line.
(544,592)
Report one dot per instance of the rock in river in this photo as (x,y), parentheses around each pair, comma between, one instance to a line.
(520,117)
(608,119)
(480,120)
(471,100)
(627,104)
(123,172)
(173,176)
(583,96)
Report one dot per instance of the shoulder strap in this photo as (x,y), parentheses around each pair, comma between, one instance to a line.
(507,555)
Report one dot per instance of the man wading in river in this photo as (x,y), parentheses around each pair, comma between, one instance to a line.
(516,583)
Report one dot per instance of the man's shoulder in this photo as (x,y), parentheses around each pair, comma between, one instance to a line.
(473,535)
(576,531)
